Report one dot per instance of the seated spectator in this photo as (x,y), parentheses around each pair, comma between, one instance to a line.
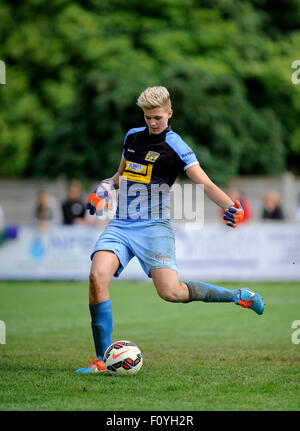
(46,212)
(272,209)
(2,226)
(2,220)
(236,194)
(297,208)
(74,208)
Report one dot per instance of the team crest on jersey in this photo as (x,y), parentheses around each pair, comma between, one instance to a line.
(151,156)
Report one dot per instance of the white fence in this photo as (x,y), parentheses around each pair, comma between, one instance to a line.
(215,252)
(18,198)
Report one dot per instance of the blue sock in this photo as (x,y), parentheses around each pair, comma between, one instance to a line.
(102,326)
(200,291)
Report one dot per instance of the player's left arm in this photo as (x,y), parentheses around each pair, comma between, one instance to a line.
(234,212)
(198,176)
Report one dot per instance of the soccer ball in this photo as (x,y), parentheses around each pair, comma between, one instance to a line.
(123,358)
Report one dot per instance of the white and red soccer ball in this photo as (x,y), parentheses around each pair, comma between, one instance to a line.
(123,358)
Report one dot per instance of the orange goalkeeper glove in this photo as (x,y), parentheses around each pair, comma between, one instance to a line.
(234,214)
(100,199)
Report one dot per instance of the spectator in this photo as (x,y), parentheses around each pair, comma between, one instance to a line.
(272,209)
(2,226)
(2,219)
(236,194)
(46,212)
(74,208)
(297,209)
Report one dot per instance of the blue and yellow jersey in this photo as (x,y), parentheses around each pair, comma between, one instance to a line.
(153,163)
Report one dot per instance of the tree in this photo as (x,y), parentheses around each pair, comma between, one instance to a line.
(75,70)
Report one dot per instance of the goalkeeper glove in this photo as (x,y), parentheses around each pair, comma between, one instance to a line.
(99,200)
(234,214)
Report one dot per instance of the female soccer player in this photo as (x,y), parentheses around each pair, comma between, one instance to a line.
(153,156)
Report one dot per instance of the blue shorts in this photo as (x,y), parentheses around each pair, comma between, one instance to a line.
(151,241)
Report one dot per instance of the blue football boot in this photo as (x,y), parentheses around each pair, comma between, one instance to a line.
(97,366)
(250,299)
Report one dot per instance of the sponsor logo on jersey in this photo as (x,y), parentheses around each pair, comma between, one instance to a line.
(151,156)
(187,154)
(130,150)
(135,167)
(137,172)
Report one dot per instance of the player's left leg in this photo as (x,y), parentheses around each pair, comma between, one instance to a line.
(171,289)
(168,286)
(200,291)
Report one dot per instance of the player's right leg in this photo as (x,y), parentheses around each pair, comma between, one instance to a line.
(104,265)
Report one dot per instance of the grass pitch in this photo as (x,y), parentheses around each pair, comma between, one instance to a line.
(197,356)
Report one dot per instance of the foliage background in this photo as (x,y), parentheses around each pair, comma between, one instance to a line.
(74,70)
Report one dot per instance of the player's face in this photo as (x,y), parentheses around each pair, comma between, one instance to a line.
(157,119)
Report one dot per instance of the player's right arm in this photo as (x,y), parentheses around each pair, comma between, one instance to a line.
(99,196)
(114,180)
(96,198)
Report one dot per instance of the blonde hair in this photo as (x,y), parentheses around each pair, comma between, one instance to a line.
(154,97)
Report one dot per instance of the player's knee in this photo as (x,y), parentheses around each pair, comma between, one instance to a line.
(98,281)
(168,294)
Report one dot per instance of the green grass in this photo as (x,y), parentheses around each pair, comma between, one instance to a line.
(197,356)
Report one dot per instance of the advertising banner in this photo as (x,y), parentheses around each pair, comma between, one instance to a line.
(214,252)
